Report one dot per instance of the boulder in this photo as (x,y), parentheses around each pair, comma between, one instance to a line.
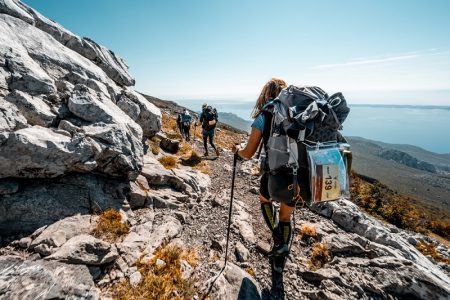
(170,146)
(44,201)
(87,250)
(189,182)
(243,220)
(233,283)
(58,233)
(139,193)
(42,279)
(36,144)
(242,253)
(144,113)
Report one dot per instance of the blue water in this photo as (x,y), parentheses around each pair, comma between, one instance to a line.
(425,127)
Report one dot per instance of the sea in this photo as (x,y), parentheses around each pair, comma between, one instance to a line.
(427,127)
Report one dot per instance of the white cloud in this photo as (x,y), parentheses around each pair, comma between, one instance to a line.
(366,62)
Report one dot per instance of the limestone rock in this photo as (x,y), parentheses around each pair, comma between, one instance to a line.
(48,76)
(87,250)
(233,283)
(144,113)
(45,201)
(45,280)
(242,219)
(36,144)
(186,181)
(55,235)
(35,110)
(10,117)
(135,278)
(139,193)
(242,253)
(8,186)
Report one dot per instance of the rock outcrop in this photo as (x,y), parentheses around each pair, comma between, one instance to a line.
(68,98)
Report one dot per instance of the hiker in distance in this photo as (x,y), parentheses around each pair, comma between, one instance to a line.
(180,127)
(282,231)
(186,120)
(208,119)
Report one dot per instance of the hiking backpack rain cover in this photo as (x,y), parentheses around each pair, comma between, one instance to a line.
(303,122)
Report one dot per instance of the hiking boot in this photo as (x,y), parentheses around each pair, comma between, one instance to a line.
(217,152)
(205,154)
(281,250)
(278,264)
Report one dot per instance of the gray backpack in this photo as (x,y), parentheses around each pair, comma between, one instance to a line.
(299,116)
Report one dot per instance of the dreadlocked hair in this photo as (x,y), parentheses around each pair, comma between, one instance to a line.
(270,91)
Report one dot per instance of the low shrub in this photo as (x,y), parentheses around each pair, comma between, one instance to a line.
(154,145)
(320,255)
(110,226)
(378,200)
(161,282)
(430,249)
(307,231)
(169,161)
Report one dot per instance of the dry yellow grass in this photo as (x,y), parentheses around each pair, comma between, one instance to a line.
(203,167)
(307,230)
(320,255)
(378,200)
(185,150)
(110,226)
(430,249)
(154,145)
(169,161)
(161,282)
(250,271)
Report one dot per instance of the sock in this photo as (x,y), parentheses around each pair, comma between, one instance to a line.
(286,231)
(267,212)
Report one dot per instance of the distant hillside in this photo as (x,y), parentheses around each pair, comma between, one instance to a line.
(387,163)
(235,121)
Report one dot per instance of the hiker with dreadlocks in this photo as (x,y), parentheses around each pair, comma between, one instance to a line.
(283,230)
(299,128)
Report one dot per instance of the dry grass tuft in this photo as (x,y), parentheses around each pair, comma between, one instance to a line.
(203,167)
(110,226)
(185,150)
(154,145)
(160,282)
(169,161)
(250,271)
(169,123)
(320,255)
(307,231)
(430,249)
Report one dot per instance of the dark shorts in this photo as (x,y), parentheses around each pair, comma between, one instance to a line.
(303,184)
(208,133)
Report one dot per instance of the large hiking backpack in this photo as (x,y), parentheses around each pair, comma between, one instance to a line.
(186,119)
(209,117)
(297,117)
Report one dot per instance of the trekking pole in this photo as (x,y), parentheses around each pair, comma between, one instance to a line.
(235,158)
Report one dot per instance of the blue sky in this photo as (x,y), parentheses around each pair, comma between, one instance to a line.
(384,51)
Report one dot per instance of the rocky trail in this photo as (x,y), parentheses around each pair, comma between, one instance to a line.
(363,263)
